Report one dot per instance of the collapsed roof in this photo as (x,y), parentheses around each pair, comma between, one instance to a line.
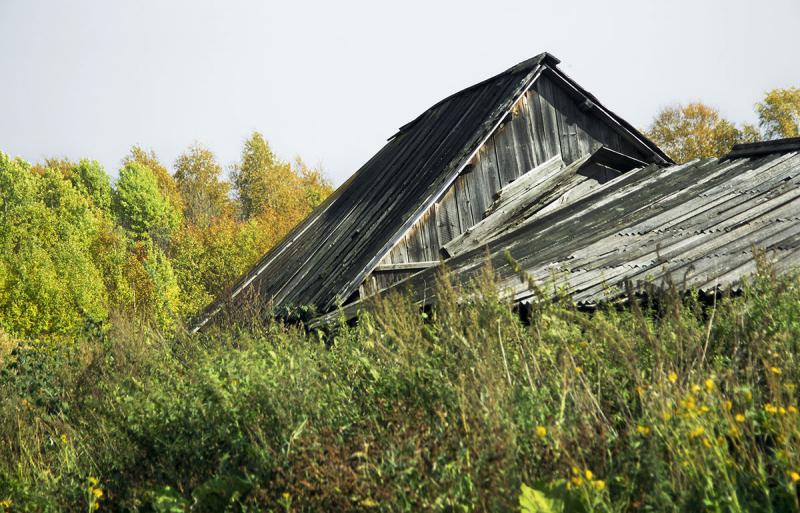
(696,225)
(325,259)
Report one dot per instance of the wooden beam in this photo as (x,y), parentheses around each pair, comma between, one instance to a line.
(407,266)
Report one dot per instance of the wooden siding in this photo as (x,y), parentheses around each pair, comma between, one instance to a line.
(549,120)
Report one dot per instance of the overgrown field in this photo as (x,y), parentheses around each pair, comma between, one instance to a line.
(670,405)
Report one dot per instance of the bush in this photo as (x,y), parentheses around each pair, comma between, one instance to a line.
(670,404)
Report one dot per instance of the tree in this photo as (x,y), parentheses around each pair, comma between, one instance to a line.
(49,282)
(166,183)
(139,205)
(696,131)
(261,180)
(779,113)
(205,195)
(90,179)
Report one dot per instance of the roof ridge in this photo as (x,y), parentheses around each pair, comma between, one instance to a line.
(521,67)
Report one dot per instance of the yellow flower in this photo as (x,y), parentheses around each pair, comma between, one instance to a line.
(639,390)
(64,439)
(92,481)
(781,410)
(748,395)
(643,430)
(576,480)
(576,471)
(5,503)
(704,409)
(541,431)
(698,431)
(599,484)
(707,443)
(578,370)
(775,370)
(739,418)
(728,405)
(673,377)
(97,492)
(666,415)
(690,404)
(794,476)
(709,384)
(792,409)
(286,495)
(588,474)
(769,408)
(695,388)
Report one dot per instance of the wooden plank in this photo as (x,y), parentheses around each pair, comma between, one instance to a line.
(534,105)
(506,156)
(491,175)
(550,135)
(447,222)
(464,203)
(523,139)
(409,266)
(480,196)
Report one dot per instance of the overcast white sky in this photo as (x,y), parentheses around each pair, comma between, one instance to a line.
(330,81)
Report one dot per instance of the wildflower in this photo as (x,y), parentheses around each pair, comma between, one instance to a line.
(775,370)
(589,475)
(639,390)
(792,409)
(794,476)
(704,409)
(92,481)
(739,418)
(696,432)
(64,439)
(781,410)
(769,408)
(97,492)
(666,416)
(727,405)
(672,377)
(643,430)
(689,403)
(706,443)
(748,395)
(576,471)
(709,384)
(696,388)
(5,504)
(733,431)
(286,496)
(578,370)
(541,431)
(599,485)
(576,480)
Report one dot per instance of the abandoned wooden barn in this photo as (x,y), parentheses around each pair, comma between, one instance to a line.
(695,225)
(432,182)
(526,162)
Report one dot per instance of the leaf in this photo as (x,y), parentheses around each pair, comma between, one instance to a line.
(533,500)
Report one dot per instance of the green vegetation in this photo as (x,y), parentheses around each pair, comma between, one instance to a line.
(666,406)
(156,248)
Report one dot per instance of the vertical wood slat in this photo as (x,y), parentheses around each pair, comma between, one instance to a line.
(523,137)
(506,158)
(480,190)
(447,217)
(463,202)
(550,135)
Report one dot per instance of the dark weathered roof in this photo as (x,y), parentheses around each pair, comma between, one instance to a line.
(325,258)
(696,224)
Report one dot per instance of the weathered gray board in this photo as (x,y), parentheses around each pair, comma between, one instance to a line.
(549,120)
(695,224)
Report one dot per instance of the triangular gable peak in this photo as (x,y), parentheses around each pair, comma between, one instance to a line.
(553,118)
(430,183)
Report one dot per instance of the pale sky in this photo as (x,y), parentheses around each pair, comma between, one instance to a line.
(330,81)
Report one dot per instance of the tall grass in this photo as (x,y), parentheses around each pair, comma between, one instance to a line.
(666,405)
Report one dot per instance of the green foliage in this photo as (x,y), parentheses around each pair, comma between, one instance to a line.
(670,405)
(91,180)
(49,281)
(205,196)
(139,205)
